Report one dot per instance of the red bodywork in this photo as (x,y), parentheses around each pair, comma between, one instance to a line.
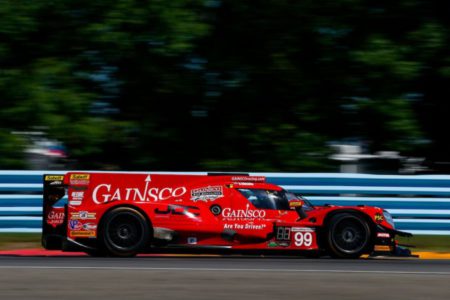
(193,211)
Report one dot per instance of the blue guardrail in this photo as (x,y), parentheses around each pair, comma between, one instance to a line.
(419,204)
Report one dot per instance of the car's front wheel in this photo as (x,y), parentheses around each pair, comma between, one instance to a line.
(124,232)
(348,236)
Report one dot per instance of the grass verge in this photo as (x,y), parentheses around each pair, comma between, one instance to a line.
(434,243)
(10,241)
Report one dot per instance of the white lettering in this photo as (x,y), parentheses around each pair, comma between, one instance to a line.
(137,193)
(103,193)
(127,195)
(303,239)
(55,215)
(116,195)
(243,213)
(153,193)
(179,191)
(168,194)
(105,196)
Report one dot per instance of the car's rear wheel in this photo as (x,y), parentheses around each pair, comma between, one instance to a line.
(124,232)
(348,236)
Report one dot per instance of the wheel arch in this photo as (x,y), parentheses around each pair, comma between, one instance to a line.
(330,215)
(365,216)
(140,210)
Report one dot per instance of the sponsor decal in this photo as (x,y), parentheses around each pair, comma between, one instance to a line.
(83,233)
(55,218)
(75,202)
(272,244)
(54,177)
(244,183)
(89,226)
(80,176)
(192,240)
(248,226)
(75,225)
(302,229)
(382,248)
(80,179)
(77,195)
(379,218)
(383,235)
(295,203)
(249,178)
(82,215)
(104,193)
(79,182)
(284,244)
(209,193)
(243,213)
(57,182)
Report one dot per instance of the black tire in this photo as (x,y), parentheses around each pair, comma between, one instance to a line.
(348,236)
(124,232)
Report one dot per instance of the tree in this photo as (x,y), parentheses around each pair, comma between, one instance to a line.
(189,84)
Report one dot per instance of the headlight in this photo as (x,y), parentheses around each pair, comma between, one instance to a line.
(388,218)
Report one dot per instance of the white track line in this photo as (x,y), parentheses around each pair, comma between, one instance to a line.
(226,270)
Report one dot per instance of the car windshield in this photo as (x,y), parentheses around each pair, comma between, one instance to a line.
(266,199)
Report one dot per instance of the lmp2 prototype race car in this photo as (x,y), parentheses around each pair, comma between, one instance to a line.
(123,214)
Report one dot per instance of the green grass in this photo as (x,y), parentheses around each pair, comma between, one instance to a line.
(19,240)
(437,243)
(422,242)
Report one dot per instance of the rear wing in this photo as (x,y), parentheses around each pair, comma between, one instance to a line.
(54,212)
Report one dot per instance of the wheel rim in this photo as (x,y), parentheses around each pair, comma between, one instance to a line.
(350,235)
(125,231)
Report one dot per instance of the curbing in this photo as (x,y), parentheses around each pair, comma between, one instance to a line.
(43,252)
(432,255)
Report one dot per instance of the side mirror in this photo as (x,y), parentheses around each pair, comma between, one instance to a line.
(297,204)
(293,204)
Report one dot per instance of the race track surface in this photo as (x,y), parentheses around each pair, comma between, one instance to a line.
(222,278)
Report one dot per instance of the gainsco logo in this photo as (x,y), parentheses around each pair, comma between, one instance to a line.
(55,218)
(210,193)
(243,213)
(104,193)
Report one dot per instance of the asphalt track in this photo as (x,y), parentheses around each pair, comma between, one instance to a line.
(211,277)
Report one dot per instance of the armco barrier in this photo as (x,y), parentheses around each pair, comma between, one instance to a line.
(419,203)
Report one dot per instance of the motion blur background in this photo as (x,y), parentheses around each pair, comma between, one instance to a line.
(269,85)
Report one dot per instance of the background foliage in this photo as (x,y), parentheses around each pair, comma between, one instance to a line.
(229,85)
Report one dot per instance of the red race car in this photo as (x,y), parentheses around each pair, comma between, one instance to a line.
(123,214)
